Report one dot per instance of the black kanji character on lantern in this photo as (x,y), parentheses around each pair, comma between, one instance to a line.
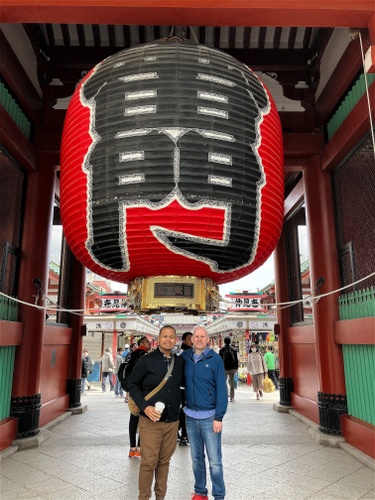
(175,120)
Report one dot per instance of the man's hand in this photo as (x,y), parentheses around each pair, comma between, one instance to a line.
(217,426)
(152,413)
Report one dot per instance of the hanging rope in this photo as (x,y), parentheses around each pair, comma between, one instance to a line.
(278,305)
(367,93)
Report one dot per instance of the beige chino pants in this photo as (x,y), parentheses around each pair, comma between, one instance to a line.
(158,443)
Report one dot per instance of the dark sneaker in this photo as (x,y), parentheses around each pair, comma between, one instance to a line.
(184,442)
(260,393)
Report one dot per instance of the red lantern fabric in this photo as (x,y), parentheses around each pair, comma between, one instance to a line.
(172,164)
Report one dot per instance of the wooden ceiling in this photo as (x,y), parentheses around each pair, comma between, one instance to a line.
(335,13)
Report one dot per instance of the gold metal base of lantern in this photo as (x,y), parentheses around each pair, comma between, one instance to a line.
(173,294)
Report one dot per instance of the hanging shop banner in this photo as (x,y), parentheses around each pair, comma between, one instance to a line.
(112,303)
(252,302)
(172,164)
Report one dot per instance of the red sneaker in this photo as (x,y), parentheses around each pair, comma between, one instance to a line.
(196,496)
(134,453)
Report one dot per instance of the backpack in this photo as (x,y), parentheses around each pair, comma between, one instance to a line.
(89,364)
(126,368)
(229,358)
(85,368)
(123,374)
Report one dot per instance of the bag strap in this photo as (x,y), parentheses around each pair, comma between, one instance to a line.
(163,382)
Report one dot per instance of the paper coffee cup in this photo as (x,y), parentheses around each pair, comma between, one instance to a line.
(159,407)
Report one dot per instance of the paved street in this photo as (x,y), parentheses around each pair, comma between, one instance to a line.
(266,455)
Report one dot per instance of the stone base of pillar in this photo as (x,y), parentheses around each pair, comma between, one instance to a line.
(286,389)
(331,407)
(282,408)
(74,391)
(27,411)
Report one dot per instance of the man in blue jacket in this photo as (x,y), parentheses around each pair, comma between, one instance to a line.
(206,405)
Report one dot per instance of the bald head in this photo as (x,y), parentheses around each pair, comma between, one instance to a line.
(200,339)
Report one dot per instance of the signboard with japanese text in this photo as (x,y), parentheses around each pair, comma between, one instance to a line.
(113,303)
(249,302)
(262,325)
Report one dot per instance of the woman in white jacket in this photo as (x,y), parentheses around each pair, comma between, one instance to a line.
(257,368)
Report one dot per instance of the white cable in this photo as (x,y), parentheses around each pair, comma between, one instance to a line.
(367,93)
(78,312)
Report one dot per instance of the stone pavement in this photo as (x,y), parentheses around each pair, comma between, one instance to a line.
(266,455)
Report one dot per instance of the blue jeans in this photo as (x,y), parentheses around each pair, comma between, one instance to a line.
(118,388)
(201,438)
(107,376)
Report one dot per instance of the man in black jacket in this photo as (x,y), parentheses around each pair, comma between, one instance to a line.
(158,431)
(230,358)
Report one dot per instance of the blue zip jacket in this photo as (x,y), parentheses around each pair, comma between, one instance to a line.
(205,386)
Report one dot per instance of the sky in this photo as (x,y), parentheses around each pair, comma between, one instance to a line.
(259,278)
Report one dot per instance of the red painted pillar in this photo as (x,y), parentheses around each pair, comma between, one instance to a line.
(37,224)
(247,337)
(283,321)
(324,271)
(76,300)
(114,352)
(114,344)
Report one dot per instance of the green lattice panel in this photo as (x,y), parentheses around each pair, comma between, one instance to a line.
(7,354)
(359,366)
(350,100)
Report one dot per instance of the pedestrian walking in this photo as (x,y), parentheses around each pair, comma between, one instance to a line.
(182,432)
(89,366)
(230,359)
(269,358)
(119,393)
(257,368)
(106,362)
(143,347)
(84,373)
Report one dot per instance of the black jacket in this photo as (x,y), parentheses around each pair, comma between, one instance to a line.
(126,368)
(147,374)
(230,358)
(84,368)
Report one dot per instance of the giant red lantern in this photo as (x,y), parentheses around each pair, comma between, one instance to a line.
(172,167)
